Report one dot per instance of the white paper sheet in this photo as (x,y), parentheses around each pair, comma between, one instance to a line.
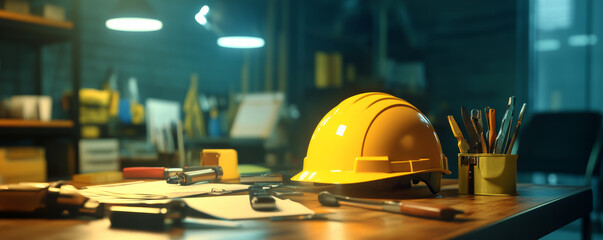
(238,207)
(154,190)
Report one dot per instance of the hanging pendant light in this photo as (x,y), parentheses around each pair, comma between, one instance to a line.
(240,42)
(236,23)
(134,16)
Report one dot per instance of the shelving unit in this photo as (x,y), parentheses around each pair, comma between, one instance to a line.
(36,31)
(36,127)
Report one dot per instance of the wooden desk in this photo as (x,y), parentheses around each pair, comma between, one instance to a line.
(537,211)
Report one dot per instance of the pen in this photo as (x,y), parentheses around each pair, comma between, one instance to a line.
(520,118)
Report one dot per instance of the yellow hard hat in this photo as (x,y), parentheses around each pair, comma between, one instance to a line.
(374,136)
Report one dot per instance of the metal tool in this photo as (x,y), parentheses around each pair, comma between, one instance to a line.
(204,175)
(160,216)
(510,125)
(504,127)
(521,112)
(487,128)
(260,199)
(456,131)
(474,145)
(409,208)
(176,179)
(476,117)
(50,200)
(491,129)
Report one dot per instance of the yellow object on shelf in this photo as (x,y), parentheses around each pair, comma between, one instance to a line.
(17,6)
(328,69)
(137,113)
(50,11)
(22,164)
(90,131)
(194,124)
(487,174)
(99,177)
(94,106)
(114,104)
(89,96)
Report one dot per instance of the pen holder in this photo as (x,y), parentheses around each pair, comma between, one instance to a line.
(487,174)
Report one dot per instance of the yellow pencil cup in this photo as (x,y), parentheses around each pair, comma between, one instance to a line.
(487,174)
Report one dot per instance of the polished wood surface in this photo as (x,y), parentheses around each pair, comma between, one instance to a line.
(533,213)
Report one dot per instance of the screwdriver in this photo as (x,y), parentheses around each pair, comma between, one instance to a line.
(409,208)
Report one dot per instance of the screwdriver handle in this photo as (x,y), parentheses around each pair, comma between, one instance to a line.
(428,210)
(492,129)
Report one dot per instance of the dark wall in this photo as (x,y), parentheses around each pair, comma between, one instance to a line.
(468,49)
(162,61)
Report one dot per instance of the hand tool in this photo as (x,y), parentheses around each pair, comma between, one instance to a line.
(204,175)
(158,172)
(474,145)
(409,208)
(487,128)
(50,200)
(504,126)
(492,129)
(523,108)
(160,216)
(510,125)
(150,172)
(476,117)
(456,131)
(260,199)
(477,114)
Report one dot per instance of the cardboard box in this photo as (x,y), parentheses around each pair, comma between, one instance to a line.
(31,107)
(22,164)
(97,155)
(18,6)
(50,11)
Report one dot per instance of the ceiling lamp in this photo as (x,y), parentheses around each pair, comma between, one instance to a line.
(134,16)
(240,42)
(237,24)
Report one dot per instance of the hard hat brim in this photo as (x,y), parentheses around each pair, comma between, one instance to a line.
(349,177)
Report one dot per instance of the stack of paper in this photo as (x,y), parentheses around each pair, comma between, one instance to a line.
(134,191)
(238,207)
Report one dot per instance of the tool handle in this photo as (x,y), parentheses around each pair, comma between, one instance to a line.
(492,129)
(429,210)
(144,172)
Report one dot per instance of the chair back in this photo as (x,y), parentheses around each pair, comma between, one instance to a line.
(560,142)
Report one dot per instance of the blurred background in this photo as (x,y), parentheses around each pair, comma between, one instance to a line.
(81,93)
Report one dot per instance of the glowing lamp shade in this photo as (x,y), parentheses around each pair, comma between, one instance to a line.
(132,24)
(133,16)
(240,42)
